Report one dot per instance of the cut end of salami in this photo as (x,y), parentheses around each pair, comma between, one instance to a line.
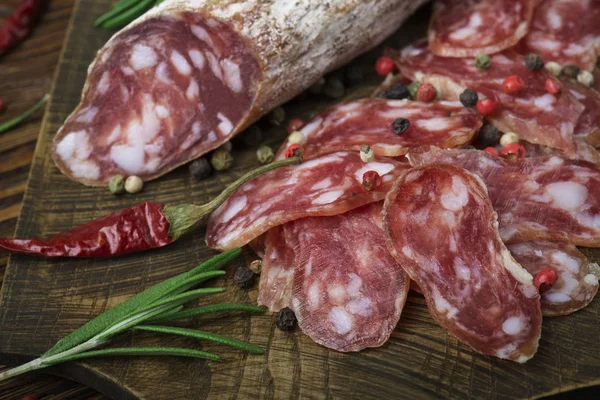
(159,94)
(370,122)
(440,226)
(466,28)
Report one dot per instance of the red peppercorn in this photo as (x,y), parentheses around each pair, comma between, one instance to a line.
(492,151)
(295,150)
(385,65)
(30,397)
(295,125)
(545,279)
(371,180)
(426,93)
(513,150)
(487,106)
(513,84)
(552,86)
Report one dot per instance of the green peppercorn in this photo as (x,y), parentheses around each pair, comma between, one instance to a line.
(117,184)
(317,88)
(221,160)
(469,98)
(396,92)
(244,277)
(400,125)
(334,88)
(570,71)
(252,136)
(200,168)
(285,319)
(483,62)
(412,89)
(534,62)
(264,154)
(488,136)
(277,116)
(353,75)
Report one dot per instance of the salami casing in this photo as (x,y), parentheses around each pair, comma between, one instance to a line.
(466,28)
(348,291)
(189,74)
(369,122)
(276,278)
(536,198)
(577,281)
(327,185)
(565,31)
(440,226)
(538,116)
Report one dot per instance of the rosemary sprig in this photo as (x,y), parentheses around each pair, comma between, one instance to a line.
(125,11)
(20,118)
(162,302)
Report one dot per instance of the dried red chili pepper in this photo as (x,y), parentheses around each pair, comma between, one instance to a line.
(19,24)
(138,228)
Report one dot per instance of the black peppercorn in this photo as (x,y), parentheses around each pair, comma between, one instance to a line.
(353,75)
(396,92)
(400,125)
(285,319)
(244,276)
(570,71)
(469,98)
(598,62)
(534,62)
(334,88)
(489,136)
(200,168)
(252,136)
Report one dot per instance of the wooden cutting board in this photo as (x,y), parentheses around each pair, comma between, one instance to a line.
(43,300)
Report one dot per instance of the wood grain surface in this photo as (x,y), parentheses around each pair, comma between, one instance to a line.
(42,300)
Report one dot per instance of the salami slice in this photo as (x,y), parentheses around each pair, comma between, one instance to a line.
(588,125)
(536,198)
(327,185)
(275,287)
(583,151)
(576,285)
(369,122)
(466,28)
(440,226)
(538,116)
(565,31)
(348,291)
(189,74)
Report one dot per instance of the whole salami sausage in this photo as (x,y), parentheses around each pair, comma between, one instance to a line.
(466,28)
(577,279)
(536,198)
(189,74)
(440,226)
(348,291)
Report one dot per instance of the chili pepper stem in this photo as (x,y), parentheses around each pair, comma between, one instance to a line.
(184,218)
(17,120)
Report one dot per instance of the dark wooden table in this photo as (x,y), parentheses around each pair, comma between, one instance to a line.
(25,75)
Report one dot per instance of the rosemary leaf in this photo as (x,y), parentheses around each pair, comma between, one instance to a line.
(138,351)
(183,298)
(117,8)
(121,19)
(213,308)
(137,302)
(238,344)
(4,127)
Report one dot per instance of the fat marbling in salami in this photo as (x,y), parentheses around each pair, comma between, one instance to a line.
(275,286)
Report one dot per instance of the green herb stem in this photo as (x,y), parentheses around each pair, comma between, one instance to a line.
(214,308)
(117,8)
(184,218)
(140,351)
(123,18)
(17,120)
(238,344)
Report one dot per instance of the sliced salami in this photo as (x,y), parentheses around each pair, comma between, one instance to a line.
(588,125)
(328,185)
(538,116)
(536,198)
(275,287)
(583,151)
(565,31)
(466,28)
(441,227)
(370,122)
(577,278)
(189,74)
(348,291)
